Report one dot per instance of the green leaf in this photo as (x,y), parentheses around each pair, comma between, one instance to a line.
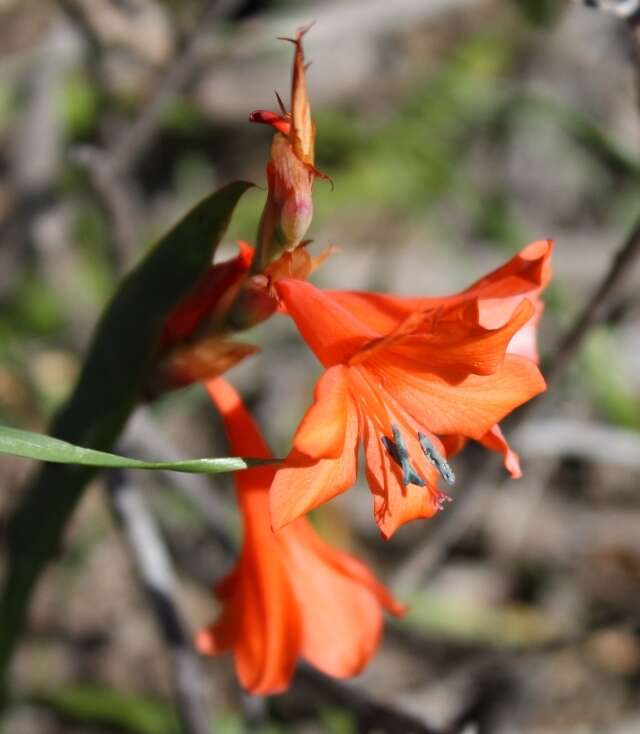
(112,379)
(45,448)
(540,12)
(91,705)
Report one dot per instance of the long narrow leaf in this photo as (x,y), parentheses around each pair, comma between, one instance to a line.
(112,379)
(45,448)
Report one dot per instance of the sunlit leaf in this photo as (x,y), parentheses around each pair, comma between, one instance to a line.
(45,448)
(110,384)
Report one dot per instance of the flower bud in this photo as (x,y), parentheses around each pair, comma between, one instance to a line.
(290,172)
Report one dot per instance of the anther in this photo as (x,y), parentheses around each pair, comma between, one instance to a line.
(398,452)
(434,456)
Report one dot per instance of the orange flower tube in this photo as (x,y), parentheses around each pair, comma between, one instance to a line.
(290,595)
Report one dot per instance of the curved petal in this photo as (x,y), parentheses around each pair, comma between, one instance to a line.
(379,311)
(494,440)
(525,341)
(243,433)
(261,620)
(203,359)
(529,270)
(342,617)
(330,330)
(303,484)
(209,299)
(354,569)
(499,293)
(321,434)
(460,345)
(272,627)
(470,407)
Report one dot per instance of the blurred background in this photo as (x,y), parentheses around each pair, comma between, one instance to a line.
(455,132)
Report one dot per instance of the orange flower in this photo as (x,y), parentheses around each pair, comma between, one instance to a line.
(290,595)
(194,343)
(412,379)
(290,172)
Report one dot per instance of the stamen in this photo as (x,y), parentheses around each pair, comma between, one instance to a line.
(434,456)
(398,452)
(442,499)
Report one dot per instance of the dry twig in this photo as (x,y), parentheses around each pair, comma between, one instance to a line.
(110,167)
(156,574)
(371,713)
(149,440)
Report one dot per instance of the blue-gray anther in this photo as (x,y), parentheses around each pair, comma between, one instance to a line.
(434,456)
(398,452)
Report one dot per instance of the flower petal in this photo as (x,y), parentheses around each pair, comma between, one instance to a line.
(208,300)
(470,407)
(203,359)
(342,616)
(243,433)
(261,620)
(321,434)
(330,330)
(302,483)
(499,293)
(495,441)
(525,341)
(457,344)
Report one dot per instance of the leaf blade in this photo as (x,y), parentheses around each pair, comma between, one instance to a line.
(109,385)
(31,445)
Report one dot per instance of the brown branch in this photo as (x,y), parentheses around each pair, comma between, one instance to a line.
(594,310)
(117,198)
(153,565)
(110,167)
(371,713)
(149,441)
(140,134)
